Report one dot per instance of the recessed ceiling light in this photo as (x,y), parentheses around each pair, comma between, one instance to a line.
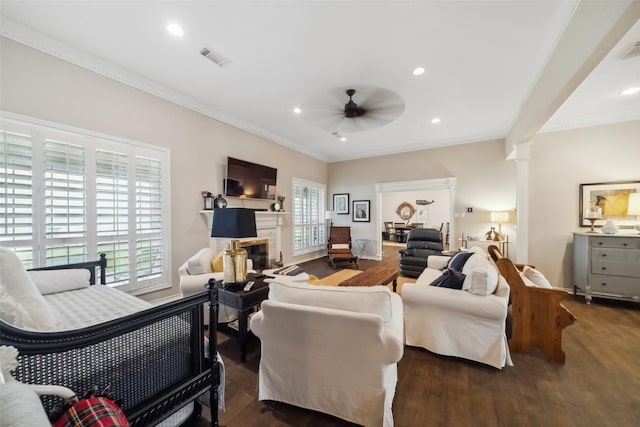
(175,30)
(297,110)
(630,91)
(418,71)
(435,120)
(343,138)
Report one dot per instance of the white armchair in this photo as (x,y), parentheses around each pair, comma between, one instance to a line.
(196,272)
(331,349)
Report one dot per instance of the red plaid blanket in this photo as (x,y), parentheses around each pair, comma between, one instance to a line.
(94,412)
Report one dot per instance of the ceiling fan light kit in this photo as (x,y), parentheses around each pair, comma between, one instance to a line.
(351,109)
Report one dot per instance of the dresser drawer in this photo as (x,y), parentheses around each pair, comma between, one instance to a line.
(614,242)
(618,262)
(615,284)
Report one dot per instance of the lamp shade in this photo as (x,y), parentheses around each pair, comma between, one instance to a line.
(500,217)
(592,212)
(330,215)
(634,204)
(234,223)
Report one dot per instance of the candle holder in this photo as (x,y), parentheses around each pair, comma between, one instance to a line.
(207,199)
(592,213)
(281,201)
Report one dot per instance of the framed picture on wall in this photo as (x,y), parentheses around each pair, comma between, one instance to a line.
(612,198)
(341,203)
(361,211)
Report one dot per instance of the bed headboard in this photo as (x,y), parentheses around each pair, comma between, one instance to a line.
(89,265)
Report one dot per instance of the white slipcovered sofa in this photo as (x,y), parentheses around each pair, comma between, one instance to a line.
(331,349)
(468,323)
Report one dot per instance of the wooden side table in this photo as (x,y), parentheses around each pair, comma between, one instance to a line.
(245,303)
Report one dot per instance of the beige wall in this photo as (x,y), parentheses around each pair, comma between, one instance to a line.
(485,182)
(41,86)
(559,163)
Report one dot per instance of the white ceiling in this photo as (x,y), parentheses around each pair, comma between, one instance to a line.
(482,59)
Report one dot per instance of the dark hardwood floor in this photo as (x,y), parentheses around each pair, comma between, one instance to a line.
(599,385)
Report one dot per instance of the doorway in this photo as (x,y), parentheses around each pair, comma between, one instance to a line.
(447,184)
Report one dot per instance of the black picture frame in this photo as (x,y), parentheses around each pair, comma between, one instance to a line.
(361,211)
(341,203)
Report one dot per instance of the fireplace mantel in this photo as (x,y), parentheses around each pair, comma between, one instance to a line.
(268,226)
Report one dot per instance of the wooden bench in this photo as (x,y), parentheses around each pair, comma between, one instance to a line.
(538,316)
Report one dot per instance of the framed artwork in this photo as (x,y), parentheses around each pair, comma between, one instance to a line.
(612,198)
(361,211)
(341,203)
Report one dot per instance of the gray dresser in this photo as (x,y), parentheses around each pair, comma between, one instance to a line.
(607,265)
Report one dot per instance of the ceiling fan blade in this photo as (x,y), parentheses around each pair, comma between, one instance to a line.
(389,110)
(326,110)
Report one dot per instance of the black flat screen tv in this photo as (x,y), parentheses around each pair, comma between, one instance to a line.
(249,180)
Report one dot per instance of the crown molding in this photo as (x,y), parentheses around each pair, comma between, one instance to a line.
(54,47)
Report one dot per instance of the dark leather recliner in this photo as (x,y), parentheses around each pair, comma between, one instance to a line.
(421,243)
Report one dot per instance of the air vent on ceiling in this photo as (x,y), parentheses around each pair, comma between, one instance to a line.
(634,51)
(220,60)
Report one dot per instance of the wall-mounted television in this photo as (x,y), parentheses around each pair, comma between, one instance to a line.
(249,180)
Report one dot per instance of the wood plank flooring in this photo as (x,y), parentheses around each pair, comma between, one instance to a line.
(599,385)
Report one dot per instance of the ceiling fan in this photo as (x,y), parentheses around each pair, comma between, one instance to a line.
(372,107)
(351,109)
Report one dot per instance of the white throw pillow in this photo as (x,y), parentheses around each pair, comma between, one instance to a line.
(536,277)
(373,299)
(340,246)
(22,296)
(478,259)
(54,281)
(20,406)
(200,263)
(482,279)
(525,279)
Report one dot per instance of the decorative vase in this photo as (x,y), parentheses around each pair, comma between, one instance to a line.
(609,227)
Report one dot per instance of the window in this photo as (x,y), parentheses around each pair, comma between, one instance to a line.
(309,228)
(68,195)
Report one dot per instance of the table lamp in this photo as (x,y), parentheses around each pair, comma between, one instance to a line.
(499,218)
(330,215)
(234,223)
(634,208)
(592,213)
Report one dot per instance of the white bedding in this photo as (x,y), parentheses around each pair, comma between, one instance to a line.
(96,304)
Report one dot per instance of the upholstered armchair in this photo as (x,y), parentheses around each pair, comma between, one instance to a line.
(196,272)
(331,349)
(421,243)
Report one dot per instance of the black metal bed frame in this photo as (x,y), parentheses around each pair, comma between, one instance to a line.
(152,381)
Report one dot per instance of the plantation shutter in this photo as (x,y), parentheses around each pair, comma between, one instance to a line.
(112,212)
(149,246)
(308,216)
(16,189)
(67,195)
(65,200)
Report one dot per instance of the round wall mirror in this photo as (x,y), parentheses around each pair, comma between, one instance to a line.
(405,211)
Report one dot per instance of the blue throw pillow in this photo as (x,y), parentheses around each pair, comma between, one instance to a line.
(458,260)
(449,279)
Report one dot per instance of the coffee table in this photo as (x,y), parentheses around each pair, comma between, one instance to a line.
(374,276)
(245,302)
